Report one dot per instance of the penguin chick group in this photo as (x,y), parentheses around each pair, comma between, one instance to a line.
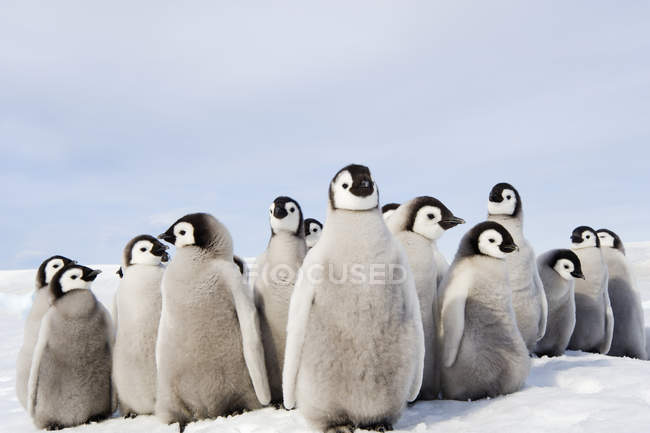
(347,321)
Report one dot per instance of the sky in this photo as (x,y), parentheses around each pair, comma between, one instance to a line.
(118,118)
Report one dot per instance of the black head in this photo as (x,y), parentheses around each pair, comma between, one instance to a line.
(72,276)
(608,238)
(144,249)
(488,238)
(48,268)
(584,237)
(504,200)
(389,206)
(436,211)
(353,188)
(557,261)
(309,222)
(286,215)
(201,230)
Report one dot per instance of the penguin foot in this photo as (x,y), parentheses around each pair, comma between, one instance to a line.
(181,426)
(96,418)
(384,427)
(54,426)
(130,415)
(347,428)
(237,412)
(278,406)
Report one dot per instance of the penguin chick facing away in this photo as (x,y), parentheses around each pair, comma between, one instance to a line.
(483,353)
(389,209)
(594,317)
(40,304)
(313,230)
(277,269)
(416,225)
(209,350)
(558,268)
(528,298)
(628,337)
(136,312)
(70,378)
(355,346)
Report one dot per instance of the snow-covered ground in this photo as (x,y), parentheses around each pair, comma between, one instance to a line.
(573,393)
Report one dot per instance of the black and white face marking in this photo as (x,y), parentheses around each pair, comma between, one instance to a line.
(190,230)
(584,237)
(388,209)
(504,200)
(567,264)
(608,238)
(285,215)
(313,230)
(71,277)
(430,218)
(145,250)
(48,268)
(353,189)
(491,239)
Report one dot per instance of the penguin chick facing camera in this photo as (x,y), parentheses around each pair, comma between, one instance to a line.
(483,352)
(70,379)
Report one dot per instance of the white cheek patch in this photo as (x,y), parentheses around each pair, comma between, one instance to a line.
(52,267)
(489,242)
(313,236)
(388,213)
(606,240)
(344,199)
(290,222)
(564,267)
(588,241)
(425,225)
(146,257)
(71,280)
(184,233)
(506,206)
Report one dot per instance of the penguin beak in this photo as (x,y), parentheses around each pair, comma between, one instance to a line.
(90,276)
(168,237)
(362,187)
(451,221)
(508,248)
(576,239)
(577,274)
(279,211)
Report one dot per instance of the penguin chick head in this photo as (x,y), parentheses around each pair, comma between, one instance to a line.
(285,215)
(313,230)
(489,239)
(200,230)
(72,277)
(567,264)
(429,217)
(608,238)
(48,268)
(388,209)
(504,200)
(584,237)
(145,250)
(352,188)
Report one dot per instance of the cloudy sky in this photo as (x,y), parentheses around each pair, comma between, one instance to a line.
(117,118)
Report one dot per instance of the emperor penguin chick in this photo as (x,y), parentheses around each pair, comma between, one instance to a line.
(483,353)
(389,209)
(416,225)
(629,327)
(558,268)
(136,312)
(70,378)
(594,317)
(40,304)
(209,350)
(528,297)
(355,346)
(313,230)
(277,269)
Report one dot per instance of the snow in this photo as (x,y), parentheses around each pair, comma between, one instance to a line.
(573,393)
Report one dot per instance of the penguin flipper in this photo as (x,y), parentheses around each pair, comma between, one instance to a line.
(455,289)
(39,349)
(299,309)
(541,293)
(249,324)
(413,310)
(111,331)
(609,321)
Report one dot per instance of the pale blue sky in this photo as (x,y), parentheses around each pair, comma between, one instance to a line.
(118,118)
